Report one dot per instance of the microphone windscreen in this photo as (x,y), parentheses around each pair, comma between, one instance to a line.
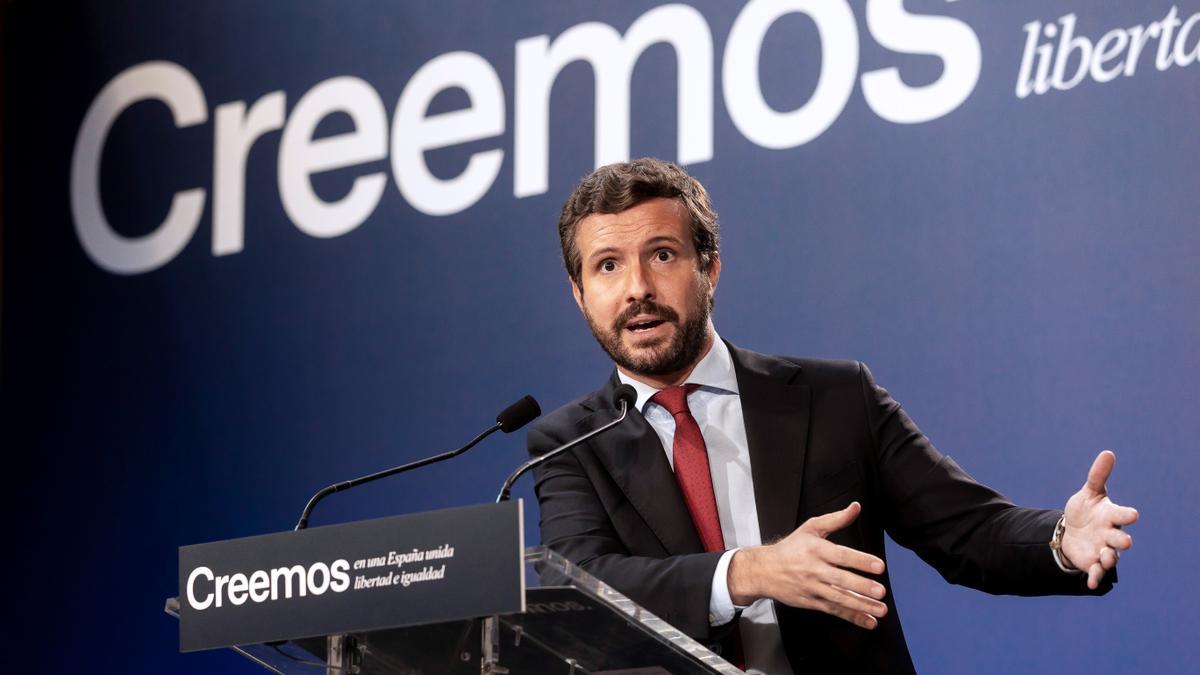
(518,414)
(624,393)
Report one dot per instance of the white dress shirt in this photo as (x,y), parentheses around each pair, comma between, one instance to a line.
(717,407)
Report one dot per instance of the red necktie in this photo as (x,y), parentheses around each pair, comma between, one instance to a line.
(695,481)
(691,466)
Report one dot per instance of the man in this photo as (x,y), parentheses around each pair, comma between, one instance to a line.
(746,499)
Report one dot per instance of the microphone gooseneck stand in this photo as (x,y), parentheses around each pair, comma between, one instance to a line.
(623,396)
(509,420)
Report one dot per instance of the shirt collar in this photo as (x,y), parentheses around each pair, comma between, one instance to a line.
(714,372)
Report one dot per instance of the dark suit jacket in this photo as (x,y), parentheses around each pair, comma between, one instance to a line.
(821,434)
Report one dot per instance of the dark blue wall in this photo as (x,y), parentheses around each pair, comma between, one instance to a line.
(1020,271)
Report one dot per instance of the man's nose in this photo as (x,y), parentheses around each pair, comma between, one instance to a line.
(641,284)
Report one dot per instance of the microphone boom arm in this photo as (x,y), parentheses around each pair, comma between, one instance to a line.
(507,489)
(345,485)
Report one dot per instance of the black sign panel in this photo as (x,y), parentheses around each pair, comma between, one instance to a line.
(399,571)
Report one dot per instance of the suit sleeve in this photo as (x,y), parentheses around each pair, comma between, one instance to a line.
(970,533)
(575,523)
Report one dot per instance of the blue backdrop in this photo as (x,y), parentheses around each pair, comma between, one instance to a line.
(983,197)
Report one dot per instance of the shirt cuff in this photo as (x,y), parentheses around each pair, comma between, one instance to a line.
(721,609)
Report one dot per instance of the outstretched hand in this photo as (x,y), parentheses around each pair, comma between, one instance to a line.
(805,570)
(1093,539)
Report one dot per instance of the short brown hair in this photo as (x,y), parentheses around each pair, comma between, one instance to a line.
(616,187)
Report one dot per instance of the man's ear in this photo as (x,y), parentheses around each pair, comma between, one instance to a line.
(577,292)
(714,270)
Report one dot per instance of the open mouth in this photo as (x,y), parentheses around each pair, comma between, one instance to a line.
(644,326)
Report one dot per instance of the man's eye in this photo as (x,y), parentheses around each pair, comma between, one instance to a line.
(608,265)
(663,255)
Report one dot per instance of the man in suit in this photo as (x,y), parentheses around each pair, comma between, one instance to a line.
(746,498)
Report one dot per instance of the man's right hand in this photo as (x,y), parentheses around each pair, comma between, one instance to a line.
(804,570)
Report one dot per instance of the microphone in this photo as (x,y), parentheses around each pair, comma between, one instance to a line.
(518,415)
(623,398)
(509,420)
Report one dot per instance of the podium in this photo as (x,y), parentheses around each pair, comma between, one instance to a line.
(572,623)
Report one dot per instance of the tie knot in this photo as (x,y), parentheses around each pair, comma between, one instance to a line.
(674,399)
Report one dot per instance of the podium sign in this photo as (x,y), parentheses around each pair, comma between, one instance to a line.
(401,571)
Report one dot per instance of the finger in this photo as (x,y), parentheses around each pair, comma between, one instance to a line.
(844,556)
(852,582)
(1101,469)
(862,603)
(1123,515)
(832,522)
(1095,574)
(1108,558)
(857,618)
(1118,540)
(853,602)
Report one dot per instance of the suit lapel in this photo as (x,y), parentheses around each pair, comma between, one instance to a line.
(775,409)
(633,455)
(776,412)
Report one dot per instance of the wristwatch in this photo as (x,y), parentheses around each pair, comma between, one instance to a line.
(1056,546)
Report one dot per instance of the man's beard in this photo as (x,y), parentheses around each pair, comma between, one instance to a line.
(683,349)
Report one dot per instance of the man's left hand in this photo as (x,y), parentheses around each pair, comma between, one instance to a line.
(1093,540)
